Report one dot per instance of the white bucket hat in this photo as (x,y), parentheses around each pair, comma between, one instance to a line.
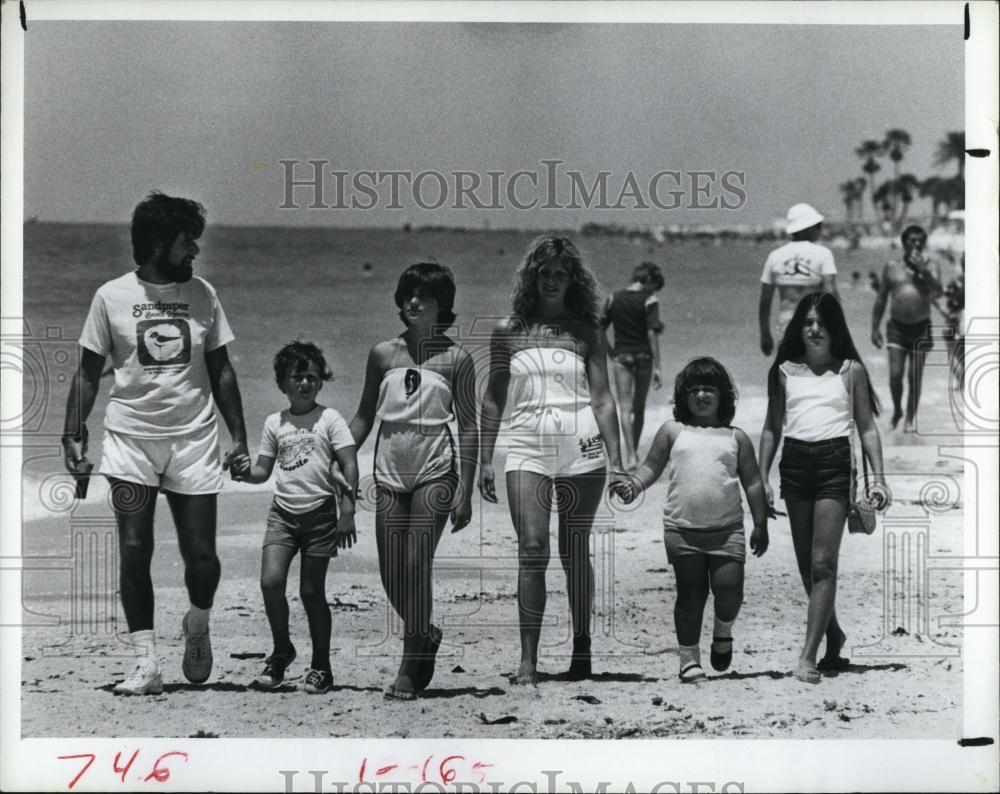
(801,216)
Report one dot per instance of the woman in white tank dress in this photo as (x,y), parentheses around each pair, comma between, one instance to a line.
(415,385)
(816,378)
(548,367)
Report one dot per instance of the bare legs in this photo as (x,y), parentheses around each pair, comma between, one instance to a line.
(194,517)
(625,392)
(898,359)
(275,563)
(408,527)
(695,576)
(531,497)
(631,389)
(817,529)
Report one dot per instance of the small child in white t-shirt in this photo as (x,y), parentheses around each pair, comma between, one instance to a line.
(306,440)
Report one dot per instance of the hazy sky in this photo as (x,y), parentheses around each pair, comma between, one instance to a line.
(113,110)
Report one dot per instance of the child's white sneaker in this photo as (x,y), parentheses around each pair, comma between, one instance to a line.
(145,679)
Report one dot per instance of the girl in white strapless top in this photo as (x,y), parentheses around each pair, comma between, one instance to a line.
(416,384)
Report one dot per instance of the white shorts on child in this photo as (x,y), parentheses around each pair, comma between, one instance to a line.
(189,464)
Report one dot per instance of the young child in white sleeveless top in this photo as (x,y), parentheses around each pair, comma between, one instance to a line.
(706,461)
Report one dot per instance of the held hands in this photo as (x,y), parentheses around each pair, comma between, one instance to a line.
(487,483)
(239,452)
(238,465)
(623,485)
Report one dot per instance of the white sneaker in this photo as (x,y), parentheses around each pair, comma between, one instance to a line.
(144,679)
(197,664)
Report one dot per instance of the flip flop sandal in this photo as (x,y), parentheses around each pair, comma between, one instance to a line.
(391,693)
(721,661)
(691,672)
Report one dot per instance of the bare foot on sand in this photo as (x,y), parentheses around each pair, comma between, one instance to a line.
(401,689)
(426,669)
(526,674)
(896,416)
(807,672)
(908,426)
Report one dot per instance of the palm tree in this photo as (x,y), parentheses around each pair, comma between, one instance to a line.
(882,199)
(933,188)
(849,194)
(895,144)
(905,188)
(868,151)
(952,147)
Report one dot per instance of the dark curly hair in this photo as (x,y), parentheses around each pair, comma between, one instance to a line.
(159,218)
(792,347)
(581,296)
(297,356)
(430,280)
(649,275)
(704,371)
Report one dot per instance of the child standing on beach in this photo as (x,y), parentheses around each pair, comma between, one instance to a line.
(707,461)
(305,440)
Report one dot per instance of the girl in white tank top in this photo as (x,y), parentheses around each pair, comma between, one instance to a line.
(706,461)
(816,384)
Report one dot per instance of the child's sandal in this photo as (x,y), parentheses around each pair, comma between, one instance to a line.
(721,661)
(691,672)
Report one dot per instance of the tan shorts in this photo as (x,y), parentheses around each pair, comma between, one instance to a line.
(726,542)
(189,464)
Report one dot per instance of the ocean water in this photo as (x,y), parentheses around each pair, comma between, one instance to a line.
(278,284)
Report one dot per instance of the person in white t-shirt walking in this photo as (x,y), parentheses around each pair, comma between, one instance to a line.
(308,442)
(166,335)
(796,268)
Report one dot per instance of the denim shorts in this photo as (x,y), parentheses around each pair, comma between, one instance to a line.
(311,532)
(812,470)
(725,542)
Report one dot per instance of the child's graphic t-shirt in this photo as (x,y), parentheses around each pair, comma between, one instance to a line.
(303,447)
(156,336)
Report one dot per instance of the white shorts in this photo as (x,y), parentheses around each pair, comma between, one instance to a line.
(555,443)
(189,464)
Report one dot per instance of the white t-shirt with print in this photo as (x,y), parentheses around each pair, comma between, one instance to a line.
(304,447)
(156,336)
(799,263)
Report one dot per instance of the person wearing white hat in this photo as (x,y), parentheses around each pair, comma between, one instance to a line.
(796,268)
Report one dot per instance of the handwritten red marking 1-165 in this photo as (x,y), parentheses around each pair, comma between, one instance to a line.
(122,763)
(447,769)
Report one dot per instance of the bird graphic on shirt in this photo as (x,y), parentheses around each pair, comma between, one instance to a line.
(164,342)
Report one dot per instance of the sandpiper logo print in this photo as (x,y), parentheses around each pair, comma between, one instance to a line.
(163,342)
(590,448)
